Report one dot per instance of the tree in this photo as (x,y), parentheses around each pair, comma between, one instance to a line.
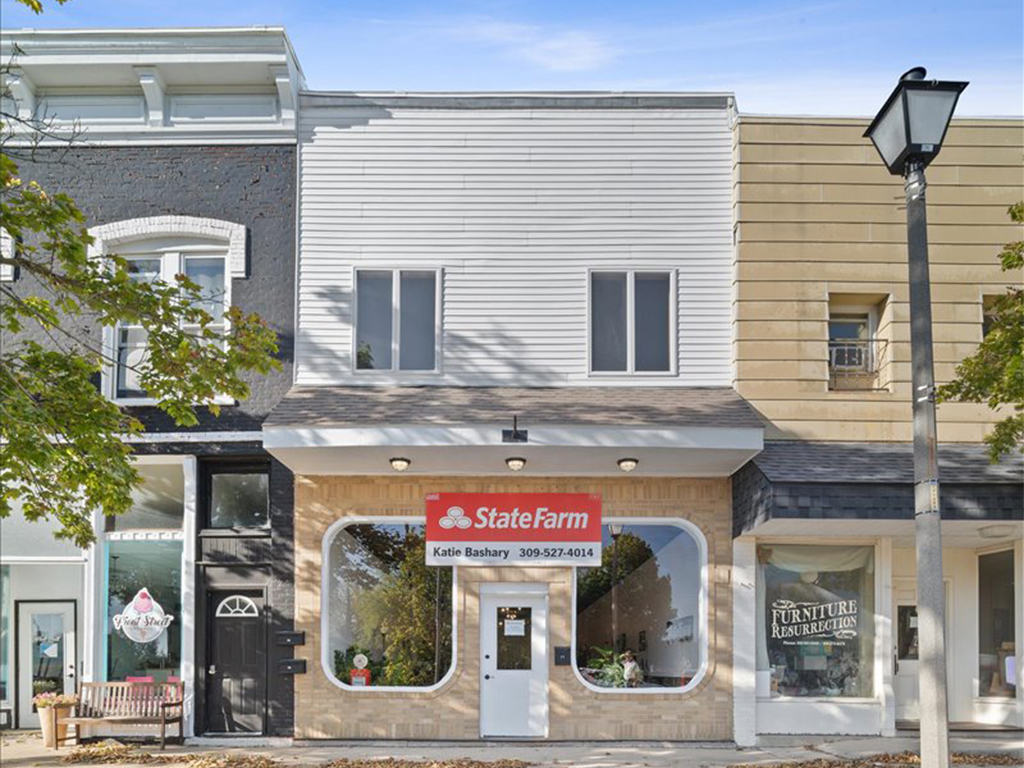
(995,373)
(62,449)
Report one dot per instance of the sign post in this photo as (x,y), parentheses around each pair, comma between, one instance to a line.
(537,529)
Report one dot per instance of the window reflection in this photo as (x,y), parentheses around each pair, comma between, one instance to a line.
(385,603)
(997,619)
(638,613)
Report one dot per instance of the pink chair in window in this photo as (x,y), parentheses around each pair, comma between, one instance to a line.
(142,679)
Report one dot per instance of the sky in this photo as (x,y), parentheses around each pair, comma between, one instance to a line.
(821,57)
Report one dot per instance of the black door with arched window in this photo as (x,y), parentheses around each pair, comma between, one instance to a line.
(236,662)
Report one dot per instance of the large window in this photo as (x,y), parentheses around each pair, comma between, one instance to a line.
(158,503)
(396,320)
(631,321)
(144,610)
(202,266)
(997,617)
(815,628)
(385,612)
(639,615)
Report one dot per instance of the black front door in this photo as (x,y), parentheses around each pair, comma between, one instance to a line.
(236,662)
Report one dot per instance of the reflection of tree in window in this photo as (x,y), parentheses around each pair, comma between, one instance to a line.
(656,589)
(385,602)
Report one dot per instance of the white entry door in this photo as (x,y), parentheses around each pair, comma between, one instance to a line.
(514,660)
(905,684)
(46,654)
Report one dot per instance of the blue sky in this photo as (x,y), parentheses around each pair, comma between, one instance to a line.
(833,57)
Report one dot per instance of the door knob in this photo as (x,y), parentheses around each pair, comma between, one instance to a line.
(212,669)
(487,677)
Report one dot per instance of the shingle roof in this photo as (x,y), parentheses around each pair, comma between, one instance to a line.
(584,406)
(810,462)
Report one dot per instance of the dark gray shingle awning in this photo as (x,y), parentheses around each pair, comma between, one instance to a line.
(652,406)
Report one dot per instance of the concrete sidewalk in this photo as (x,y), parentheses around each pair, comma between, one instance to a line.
(24,749)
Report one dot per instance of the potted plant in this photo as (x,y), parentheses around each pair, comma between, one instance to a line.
(53,707)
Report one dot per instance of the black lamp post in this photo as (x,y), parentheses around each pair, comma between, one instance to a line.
(615,529)
(908,133)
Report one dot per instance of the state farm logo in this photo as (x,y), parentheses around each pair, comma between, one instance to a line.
(455,517)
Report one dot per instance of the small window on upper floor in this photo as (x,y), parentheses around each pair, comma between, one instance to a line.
(397,320)
(858,328)
(631,322)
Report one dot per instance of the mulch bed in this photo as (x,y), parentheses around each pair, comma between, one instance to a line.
(896,759)
(111,752)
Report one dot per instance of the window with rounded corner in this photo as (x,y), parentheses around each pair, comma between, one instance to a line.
(237,607)
(387,616)
(640,616)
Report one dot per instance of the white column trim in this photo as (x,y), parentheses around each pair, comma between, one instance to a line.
(24,92)
(884,641)
(744,641)
(188,591)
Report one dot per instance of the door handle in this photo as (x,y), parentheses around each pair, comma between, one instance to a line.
(212,669)
(487,677)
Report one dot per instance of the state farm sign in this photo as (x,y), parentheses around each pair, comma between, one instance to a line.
(513,529)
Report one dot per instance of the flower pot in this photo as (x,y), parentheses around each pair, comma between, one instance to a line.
(53,734)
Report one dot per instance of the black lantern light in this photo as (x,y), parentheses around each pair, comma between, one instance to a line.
(913,121)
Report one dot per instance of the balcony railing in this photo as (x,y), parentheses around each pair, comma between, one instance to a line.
(855,363)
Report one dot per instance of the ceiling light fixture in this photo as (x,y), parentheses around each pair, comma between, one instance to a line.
(628,465)
(515,463)
(399,464)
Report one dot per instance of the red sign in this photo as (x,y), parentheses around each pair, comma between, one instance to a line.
(360,677)
(513,529)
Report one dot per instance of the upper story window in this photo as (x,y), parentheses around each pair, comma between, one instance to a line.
(208,251)
(857,348)
(988,314)
(631,322)
(397,320)
(204,268)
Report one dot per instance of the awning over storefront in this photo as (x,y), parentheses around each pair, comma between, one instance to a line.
(673,431)
(807,488)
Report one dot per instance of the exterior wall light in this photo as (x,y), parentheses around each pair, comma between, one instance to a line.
(515,463)
(628,465)
(399,464)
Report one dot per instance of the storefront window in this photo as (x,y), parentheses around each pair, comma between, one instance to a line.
(997,674)
(158,503)
(387,616)
(144,610)
(638,615)
(816,619)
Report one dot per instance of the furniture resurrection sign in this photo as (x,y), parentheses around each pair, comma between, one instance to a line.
(513,529)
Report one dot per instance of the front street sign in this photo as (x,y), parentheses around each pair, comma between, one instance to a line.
(539,529)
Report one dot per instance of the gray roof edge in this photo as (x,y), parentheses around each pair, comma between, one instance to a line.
(517,100)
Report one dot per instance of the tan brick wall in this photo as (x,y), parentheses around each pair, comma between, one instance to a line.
(322,710)
(817,215)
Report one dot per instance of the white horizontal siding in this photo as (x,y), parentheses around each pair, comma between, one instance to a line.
(515,205)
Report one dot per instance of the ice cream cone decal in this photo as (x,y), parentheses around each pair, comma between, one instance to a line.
(143,620)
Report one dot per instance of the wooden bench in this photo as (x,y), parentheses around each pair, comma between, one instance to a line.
(129,704)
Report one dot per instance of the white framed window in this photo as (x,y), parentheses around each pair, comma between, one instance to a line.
(237,607)
(148,262)
(380,601)
(210,251)
(397,320)
(632,319)
(640,618)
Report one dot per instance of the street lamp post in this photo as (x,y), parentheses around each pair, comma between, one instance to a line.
(908,133)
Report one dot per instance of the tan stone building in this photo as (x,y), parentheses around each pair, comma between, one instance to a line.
(822,351)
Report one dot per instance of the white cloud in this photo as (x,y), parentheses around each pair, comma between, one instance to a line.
(551,49)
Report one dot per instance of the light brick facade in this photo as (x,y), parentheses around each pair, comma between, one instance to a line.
(323,710)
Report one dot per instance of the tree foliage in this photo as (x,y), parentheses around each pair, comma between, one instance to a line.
(62,449)
(995,373)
